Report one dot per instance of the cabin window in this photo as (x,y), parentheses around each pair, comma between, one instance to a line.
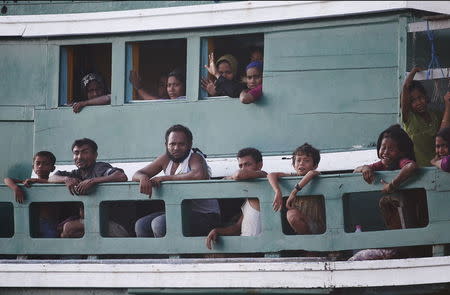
(76,61)
(46,217)
(244,48)
(196,224)
(407,209)
(153,61)
(313,207)
(6,220)
(118,218)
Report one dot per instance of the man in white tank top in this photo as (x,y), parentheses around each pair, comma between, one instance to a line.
(178,163)
(249,224)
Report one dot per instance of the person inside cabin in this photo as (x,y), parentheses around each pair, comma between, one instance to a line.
(82,180)
(43,165)
(396,152)
(305,214)
(161,89)
(442,158)
(419,121)
(253,78)
(249,223)
(256,54)
(225,73)
(175,86)
(179,162)
(95,92)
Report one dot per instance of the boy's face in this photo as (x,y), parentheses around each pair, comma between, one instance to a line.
(42,166)
(248,163)
(418,101)
(303,164)
(84,156)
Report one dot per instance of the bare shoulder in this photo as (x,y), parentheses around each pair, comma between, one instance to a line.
(196,158)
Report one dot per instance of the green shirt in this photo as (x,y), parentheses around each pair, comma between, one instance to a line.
(422,134)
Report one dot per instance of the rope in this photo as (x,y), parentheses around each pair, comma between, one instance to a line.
(434,62)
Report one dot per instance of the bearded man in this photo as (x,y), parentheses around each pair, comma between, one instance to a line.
(180,162)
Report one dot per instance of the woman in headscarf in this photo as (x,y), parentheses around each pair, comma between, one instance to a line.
(95,92)
(225,71)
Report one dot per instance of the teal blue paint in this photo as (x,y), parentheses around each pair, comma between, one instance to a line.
(63,77)
(16,148)
(23,63)
(128,66)
(272,239)
(193,68)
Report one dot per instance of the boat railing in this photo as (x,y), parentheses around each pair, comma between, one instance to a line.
(337,191)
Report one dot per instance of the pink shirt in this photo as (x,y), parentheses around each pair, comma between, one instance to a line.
(256,92)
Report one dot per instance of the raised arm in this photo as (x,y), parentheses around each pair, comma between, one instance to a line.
(232,230)
(405,172)
(405,102)
(278,197)
(136,81)
(446,118)
(101,100)
(18,193)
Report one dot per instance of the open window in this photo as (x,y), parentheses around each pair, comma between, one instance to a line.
(310,207)
(47,219)
(244,48)
(76,61)
(6,220)
(374,212)
(153,61)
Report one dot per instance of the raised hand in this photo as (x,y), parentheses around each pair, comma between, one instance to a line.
(135,80)
(212,69)
(209,86)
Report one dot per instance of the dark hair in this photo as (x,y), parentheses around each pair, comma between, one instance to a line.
(404,143)
(47,155)
(92,77)
(254,153)
(178,74)
(416,85)
(308,150)
(445,134)
(85,141)
(179,128)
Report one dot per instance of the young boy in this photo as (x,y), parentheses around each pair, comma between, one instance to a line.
(249,224)
(43,165)
(305,214)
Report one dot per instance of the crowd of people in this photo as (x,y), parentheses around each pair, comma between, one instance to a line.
(222,80)
(422,141)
